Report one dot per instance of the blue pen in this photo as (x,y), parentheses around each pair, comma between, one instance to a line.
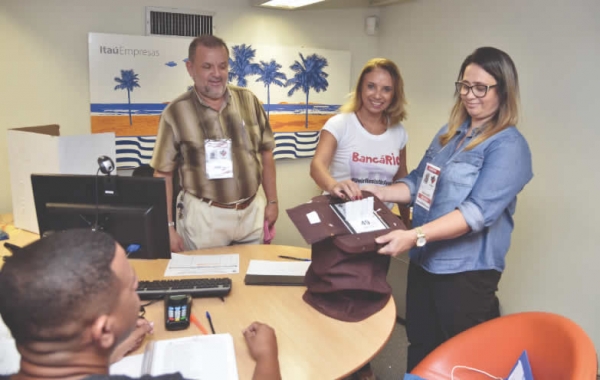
(293,258)
(212,328)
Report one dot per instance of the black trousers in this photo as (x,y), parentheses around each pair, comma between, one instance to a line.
(439,306)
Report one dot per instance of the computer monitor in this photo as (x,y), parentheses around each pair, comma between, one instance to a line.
(131,209)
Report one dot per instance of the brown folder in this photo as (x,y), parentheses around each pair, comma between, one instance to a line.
(332,224)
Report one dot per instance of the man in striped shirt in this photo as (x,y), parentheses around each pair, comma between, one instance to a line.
(217,136)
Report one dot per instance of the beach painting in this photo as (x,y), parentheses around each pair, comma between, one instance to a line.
(133,79)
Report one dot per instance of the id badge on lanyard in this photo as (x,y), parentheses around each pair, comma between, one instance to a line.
(427,187)
(218,159)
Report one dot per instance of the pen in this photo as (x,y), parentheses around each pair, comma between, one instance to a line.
(195,321)
(293,258)
(212,328)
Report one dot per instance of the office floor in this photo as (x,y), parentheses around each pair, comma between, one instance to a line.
(390,363)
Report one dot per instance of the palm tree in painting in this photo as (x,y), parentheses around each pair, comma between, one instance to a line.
(269,74)
(308,74)
(128,81)
(241,65)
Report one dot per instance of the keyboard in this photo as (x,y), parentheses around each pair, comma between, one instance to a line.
(198,287)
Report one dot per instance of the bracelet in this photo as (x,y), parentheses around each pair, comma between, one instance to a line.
(273,202)
(171,224)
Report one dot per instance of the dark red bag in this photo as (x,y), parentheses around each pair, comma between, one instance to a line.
(347,277)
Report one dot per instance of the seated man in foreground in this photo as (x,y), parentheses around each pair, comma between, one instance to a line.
(70,300)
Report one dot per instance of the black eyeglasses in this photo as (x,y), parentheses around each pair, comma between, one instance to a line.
(479,90)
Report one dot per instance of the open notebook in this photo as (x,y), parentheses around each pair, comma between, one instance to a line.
(205,357)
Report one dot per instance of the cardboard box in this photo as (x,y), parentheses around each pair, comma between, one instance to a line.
(41,150)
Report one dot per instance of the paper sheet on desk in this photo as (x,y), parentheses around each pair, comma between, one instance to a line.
(279,268)
(10,359)
(9,356)
(128,366)
(201,265)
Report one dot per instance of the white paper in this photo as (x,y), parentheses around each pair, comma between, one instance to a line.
(4,332)
(313,217)
(128,366)
(10,359)
(360,215)
(357,210)
(517,373)
(205,357)
(277,268)
(201,265)
(9,356)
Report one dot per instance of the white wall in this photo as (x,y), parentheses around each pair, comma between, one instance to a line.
(44,64)
(554,263)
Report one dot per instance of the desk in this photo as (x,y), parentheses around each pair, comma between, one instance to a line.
(17,237)
(311,345)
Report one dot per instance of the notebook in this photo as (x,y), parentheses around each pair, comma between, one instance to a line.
(278,273)
(205,357)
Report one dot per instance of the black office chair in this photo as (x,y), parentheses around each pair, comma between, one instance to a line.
(147,171)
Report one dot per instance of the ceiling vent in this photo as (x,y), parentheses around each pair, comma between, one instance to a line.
(177,22)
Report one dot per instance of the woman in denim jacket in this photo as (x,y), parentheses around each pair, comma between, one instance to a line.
(464,194)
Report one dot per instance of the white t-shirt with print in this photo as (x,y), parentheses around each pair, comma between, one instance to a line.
(361,156)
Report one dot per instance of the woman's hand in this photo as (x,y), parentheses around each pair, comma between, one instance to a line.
(376,190)
(397,242)
(347,190)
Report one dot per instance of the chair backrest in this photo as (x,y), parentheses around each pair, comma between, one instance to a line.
(557,348)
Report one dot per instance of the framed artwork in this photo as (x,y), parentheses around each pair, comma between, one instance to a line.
(133,79)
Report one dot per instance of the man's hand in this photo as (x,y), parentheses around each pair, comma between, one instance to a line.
(271,213)
(133,341)
(261,341)
(175,240)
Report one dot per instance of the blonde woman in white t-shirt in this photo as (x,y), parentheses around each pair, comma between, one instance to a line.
(366,142)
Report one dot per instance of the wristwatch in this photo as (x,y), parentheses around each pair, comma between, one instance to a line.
(421,239)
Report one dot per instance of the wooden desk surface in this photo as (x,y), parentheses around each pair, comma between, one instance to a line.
(311,345)
(16,236)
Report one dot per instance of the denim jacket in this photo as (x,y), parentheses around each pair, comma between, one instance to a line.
(482,183)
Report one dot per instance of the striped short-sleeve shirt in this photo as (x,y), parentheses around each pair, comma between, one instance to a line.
(187,122)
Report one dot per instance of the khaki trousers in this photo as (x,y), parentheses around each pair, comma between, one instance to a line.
(206,226)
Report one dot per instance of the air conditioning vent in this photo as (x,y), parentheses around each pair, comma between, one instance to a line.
(177,22)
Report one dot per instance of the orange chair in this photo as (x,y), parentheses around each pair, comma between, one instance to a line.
(557,349)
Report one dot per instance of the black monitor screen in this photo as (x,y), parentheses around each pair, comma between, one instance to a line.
(131,209)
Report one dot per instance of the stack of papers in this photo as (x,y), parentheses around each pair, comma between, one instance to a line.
(202,265)
(263,272)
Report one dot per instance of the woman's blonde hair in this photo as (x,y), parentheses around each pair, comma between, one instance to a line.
(396,111)
(499,65)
